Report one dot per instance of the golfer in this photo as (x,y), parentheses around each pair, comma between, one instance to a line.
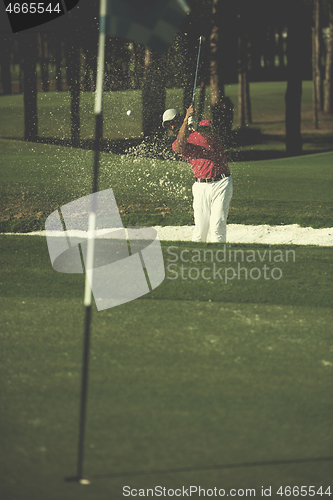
(212,189)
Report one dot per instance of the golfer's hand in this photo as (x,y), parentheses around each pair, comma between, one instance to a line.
(184,133)
(191,120)
(189,112)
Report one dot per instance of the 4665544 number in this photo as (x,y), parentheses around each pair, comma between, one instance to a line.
(32,8)
(302,491)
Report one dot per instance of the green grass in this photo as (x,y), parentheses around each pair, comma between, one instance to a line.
(54,115)
(198,375)
(267,102)
(35,179)
(205,381)
(290,286)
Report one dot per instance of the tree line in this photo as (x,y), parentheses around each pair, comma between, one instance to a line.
(246,41)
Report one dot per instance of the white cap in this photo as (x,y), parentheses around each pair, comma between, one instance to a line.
(168,115)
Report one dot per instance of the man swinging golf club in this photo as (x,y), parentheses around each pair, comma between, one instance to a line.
(212,189)
(202,148)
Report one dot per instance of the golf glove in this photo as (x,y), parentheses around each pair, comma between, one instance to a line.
(192,123)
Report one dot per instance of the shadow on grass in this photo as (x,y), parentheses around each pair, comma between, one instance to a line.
(209,467)
(160,146)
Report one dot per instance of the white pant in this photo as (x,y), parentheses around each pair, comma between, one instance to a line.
(211,204)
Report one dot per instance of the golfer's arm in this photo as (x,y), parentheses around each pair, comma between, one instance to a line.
(182,137)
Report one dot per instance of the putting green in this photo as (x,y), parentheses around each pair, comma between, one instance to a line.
(206,384)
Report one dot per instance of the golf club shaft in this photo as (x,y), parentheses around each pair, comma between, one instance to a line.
(196,71)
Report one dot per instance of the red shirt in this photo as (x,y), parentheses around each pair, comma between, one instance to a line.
(205,155)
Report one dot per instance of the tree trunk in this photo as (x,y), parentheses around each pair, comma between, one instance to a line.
(270,48)
(188,70)
(314,80)
(328,106)
(21,75)
(202,98)
(153,93)
(248,110)
(29,51)
(297,31)
(241,100)
(44,60)
(86,73)
(73,79)
(216,76)
(244,103)
(58,62)
(137,62)
(222,42)
(6,78)
(75,97)
(280,52)
(256,51)
(316,57)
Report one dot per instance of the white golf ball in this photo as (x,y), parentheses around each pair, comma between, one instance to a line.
(84,481)
(129,112)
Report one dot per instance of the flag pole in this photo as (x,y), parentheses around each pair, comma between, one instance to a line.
(92,215)
(91,242)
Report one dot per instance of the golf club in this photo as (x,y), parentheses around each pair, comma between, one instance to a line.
(196,71)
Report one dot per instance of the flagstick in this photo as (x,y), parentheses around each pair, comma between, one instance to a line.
(91,243)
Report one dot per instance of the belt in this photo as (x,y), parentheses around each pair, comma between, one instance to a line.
(213,179)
